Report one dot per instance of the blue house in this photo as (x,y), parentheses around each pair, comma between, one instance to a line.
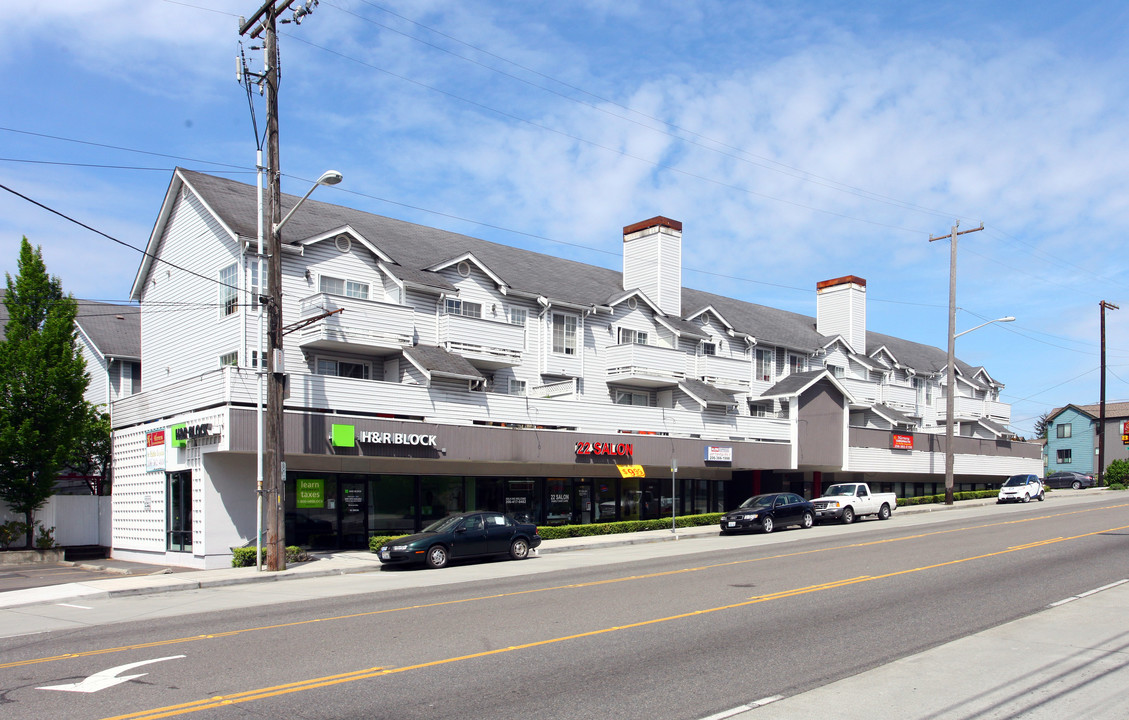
(1072,433)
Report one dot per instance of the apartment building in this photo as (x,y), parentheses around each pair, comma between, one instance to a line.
(1072,437)
(431,372)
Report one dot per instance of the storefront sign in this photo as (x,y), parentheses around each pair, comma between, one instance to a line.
(346,436)
(190,432)
(311,493)
(589,448)
(901,441)
(631,471)
(155,451)
(719,454)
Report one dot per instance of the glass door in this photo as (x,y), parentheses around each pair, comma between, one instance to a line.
(178,500)
(352,515)
(581,502)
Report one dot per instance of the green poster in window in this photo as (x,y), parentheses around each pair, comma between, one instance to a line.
(311,493)
(342,436)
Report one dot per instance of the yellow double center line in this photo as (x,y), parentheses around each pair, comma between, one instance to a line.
(219,701)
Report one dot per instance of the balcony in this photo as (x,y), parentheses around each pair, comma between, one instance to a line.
(966,408)
(647,366)
(724,372)
(364,327)
(486,344)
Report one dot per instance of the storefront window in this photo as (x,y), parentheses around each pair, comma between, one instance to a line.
(311,510)
(559,505)
(392,505)
(521,500)
(486,493)
(440,496)
(630,499)
(605,501)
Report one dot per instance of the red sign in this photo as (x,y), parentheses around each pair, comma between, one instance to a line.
(589,448)
(1125,428)
(900,441)
(155,439)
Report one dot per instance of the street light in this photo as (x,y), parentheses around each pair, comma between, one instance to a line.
(267,368)
(950,405)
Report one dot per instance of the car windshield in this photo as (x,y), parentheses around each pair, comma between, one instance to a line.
(1016,480)
(840,490)
(758,501)
(443,525)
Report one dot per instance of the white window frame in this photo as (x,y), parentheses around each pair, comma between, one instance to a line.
(837,371)
(708,348)
(516,387)
(796,363)
(346,288)
(229,290)
(230,358)
(636,399)
(465,308)
(765,359)
(323,363)
(253,304)
(564,333)
(517,316)
(627,336)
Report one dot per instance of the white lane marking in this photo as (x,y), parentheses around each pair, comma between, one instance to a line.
(107,678)
(80,607)
(1088,593)
(744,708)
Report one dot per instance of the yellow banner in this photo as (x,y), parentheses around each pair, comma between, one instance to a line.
(629,471)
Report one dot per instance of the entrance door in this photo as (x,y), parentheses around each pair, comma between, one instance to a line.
(582,502)
(179,503)
(353,516)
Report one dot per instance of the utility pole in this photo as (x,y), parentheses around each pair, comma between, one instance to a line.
(264,22)
(950,394)
(1101,413)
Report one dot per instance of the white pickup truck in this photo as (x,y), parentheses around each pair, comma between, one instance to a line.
(846,501)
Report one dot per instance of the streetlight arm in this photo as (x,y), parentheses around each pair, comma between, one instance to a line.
(997,320)
(329,177)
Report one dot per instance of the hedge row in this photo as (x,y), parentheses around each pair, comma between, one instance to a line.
(245,556)
(932,499)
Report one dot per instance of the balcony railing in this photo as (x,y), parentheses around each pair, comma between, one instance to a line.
(487,344)
(724,372)
(645,365)
(362,326)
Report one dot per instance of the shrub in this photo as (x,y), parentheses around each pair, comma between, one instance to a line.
(12,531)
(376,541)
(1116,486)
(245,556)
(45,539)
(1117,472)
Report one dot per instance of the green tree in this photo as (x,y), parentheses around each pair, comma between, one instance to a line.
(1041,425)
(42,382)
(93,450)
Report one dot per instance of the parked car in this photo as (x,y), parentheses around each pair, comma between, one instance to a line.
(846,501)
(768,512)
(464,535)
(1021,488)
(1068,479)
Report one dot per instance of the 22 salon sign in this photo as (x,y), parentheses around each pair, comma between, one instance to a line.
(614,449)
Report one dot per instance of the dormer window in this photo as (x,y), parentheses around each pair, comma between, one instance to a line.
(628,336)
(837,372)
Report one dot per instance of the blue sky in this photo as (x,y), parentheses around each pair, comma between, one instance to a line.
(797,142)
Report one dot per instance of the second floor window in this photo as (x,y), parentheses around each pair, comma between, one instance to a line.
(764,365)
(564,334)
(1063,430)
(709,348)
(464,308)
(229,290)
(341,286)
(837,371)
(342,368)
(518,316)
(231,358)
(628,337)
(795,364)
(517,387)
(623,397)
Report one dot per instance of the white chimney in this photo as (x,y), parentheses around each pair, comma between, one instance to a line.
(840,309)
(652,262)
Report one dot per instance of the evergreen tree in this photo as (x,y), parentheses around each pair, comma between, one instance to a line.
(42,382)
(1041,425)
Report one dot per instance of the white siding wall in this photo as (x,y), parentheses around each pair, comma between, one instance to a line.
(179,338)
(919,462)
(841,310)
(652,262)
(97,392)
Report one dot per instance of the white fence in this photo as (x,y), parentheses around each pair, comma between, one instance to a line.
(77,519)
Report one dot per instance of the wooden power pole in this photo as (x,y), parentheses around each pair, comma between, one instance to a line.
(1100,474)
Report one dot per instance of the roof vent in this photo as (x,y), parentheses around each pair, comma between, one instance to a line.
(343,242)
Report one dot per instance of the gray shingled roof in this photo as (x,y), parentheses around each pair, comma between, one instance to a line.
(438,361)
(114,329)
(792,384)
(894,416)
(415,247)
(706,393)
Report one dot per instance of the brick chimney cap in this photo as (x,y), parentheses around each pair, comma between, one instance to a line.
(845,280)
(657,221)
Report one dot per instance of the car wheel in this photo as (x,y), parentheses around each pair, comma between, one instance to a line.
(1026,498)
(1076,485)
(1042,496)
(767,524)
(884,512)
(437,557)
(519,549)
(848,516)
(807,521)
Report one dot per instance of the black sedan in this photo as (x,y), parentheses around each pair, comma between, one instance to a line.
(1069,479)
(768,512)
(465,535)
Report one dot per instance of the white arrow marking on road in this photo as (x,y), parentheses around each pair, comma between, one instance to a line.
(107,678)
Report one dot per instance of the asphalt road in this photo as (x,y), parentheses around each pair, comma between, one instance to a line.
(676,630)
